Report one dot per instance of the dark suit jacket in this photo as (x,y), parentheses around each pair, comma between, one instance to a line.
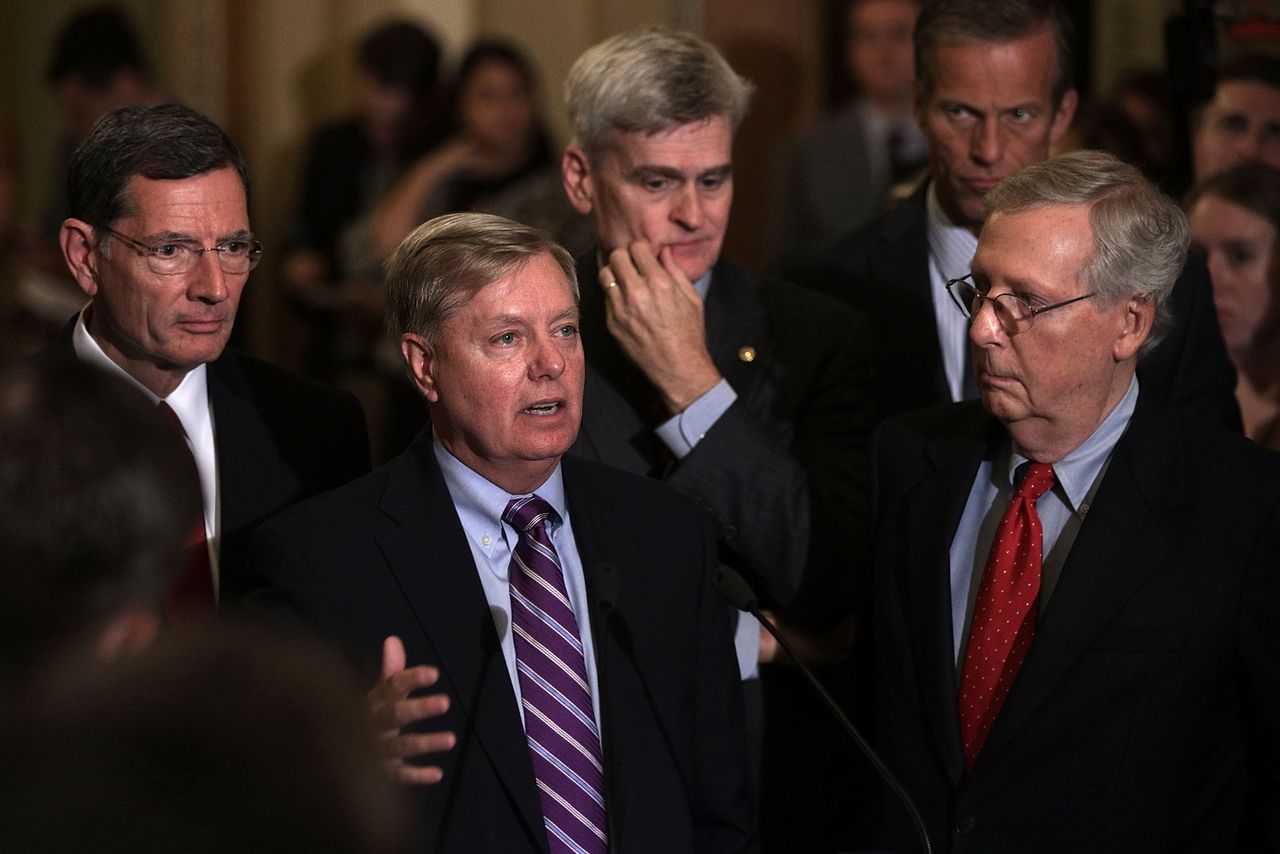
(387,555)
(280,437)
(783,472)
(1146,716)
(883,269)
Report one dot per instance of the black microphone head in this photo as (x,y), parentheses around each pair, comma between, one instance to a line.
(604,588)
(734,588)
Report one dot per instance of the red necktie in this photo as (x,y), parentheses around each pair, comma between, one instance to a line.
(191,592)
(1004,616)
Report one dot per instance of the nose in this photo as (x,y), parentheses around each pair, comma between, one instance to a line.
(687,211)
(547,361)
(984,328)
(207,282)
(986,144)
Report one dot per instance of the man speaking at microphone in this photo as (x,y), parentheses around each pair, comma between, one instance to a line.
(586,693)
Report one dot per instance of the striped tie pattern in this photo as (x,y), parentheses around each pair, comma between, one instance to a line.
(560,725)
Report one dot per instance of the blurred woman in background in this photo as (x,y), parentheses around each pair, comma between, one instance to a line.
(499,159)
(1235,221)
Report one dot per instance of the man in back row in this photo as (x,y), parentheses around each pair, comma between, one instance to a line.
(159,241)
(993,94)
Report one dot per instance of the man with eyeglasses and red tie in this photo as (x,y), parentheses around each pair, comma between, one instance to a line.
(159,240)
(1077,587)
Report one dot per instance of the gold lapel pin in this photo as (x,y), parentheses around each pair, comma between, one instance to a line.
(747,354)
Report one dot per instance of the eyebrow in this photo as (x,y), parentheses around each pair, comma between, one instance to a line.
(570,313)
(181,237)
(646,170)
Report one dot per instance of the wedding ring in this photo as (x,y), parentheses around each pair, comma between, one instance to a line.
(612,285)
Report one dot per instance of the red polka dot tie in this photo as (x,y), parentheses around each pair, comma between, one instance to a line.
(1004,616)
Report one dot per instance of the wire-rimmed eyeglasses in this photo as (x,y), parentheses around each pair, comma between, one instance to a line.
(172,257)
(1014,312)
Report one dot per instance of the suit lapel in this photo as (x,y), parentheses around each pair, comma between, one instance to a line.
(738,337)
(935,507)
(430,559)
(253,479)
(1121,542)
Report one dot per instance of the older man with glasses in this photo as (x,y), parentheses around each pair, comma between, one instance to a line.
(1076,584)
(159,240)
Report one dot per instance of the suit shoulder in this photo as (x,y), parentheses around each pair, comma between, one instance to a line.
(609,486)
(263,378)
(345,508)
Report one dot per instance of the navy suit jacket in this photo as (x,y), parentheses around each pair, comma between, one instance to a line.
(1146,716)
(387,555)
(783,472)
(883,269)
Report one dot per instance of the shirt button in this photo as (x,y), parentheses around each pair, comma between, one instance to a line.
(486,539)
(964,825)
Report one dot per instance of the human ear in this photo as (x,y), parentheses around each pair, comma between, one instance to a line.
(1139,316)
(80,251)
(419,358)
(575,169)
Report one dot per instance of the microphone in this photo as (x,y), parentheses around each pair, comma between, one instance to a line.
(737,592)
(602,591)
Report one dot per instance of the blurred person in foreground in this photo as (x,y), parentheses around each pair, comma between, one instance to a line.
(205,743)
(99,499)
(1235,221)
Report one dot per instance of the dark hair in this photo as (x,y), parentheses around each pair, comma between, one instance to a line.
(166,142)
(95,46)
(1251,67)
(223,739)
(401,55)
(491,50)
(1253,186)
(992,21)
(99,497)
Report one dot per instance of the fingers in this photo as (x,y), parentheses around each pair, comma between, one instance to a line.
(413,775)
(416,744)
(405,712)
(392,692)
(392,655)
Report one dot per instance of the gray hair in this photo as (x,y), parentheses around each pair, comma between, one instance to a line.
(650,81)
(445,261)
(1140,235)
(992,21)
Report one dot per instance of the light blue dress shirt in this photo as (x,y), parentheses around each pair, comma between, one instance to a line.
(1074,479)
(681,433)
(480,505)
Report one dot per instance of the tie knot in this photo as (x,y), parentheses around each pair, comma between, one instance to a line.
(525,513)
(1038,481)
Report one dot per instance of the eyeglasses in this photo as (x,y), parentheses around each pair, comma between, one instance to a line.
(172,257)
(1014,312)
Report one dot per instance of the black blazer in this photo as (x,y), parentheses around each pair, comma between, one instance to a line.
(387,555)
(280,437)
(1146,716)
(783,472)
(883,269)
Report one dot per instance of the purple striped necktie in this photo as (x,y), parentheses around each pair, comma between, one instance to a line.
(559,722)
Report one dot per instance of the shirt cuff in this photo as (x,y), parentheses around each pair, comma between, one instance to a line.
(682,431)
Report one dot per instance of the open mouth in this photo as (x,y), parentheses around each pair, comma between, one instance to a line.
(550,408)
